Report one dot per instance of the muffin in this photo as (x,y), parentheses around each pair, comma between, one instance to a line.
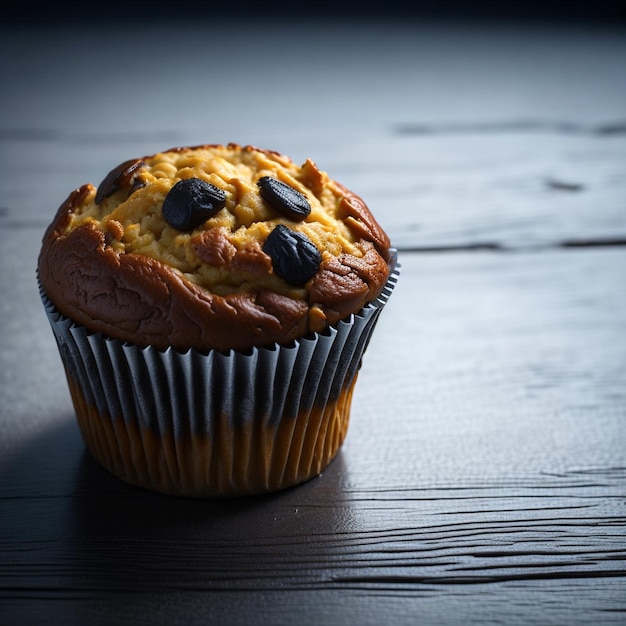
(211,305)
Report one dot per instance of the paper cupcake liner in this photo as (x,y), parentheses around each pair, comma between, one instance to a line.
(215,424)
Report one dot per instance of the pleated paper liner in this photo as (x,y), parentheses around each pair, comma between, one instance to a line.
(215,424)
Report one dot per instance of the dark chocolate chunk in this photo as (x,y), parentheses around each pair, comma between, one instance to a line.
(294,256)
(124,175)
(285,199)
(191,202)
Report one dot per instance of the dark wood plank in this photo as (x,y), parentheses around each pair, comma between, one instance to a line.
(482,476)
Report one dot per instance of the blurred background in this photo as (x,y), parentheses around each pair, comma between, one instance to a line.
(418,92)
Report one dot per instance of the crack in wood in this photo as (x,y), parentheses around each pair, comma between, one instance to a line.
(477,580)
(562,185)
(491,246)
(52,135)
(594,243)
(607,129)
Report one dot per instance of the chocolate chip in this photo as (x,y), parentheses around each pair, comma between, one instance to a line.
(191,202)
(124,175)
(294,256)
(285,199)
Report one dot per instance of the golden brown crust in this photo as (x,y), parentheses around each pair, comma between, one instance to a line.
(361,219)
(94,279)
(344,284)
(138,299)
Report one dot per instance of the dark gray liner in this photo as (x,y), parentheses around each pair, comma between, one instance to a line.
(187,392)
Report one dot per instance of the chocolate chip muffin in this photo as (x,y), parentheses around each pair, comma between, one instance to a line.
(211,305)
(213,247)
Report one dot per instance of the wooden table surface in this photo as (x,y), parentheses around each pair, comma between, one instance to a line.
(483,478)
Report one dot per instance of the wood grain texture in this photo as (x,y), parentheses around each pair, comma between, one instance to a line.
(491,482)
(483,479)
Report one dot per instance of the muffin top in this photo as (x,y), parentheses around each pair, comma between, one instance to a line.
(213,247)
